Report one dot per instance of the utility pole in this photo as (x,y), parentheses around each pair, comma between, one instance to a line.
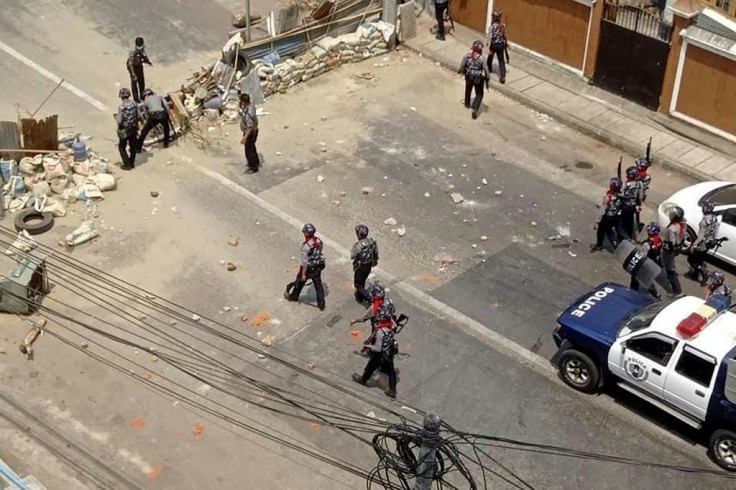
(430,435)
(247,21)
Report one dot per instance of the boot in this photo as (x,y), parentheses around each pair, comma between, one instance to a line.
(391,393)
(358,378)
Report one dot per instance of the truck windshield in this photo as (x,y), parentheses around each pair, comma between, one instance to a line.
(642,317)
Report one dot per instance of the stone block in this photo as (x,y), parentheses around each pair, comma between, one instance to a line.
(408,27)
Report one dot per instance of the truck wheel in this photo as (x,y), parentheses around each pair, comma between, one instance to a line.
(579,371)
(723,449)
(34,222)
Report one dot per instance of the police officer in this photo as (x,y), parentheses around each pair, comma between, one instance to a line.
(651,248)
(249,127)
(707,233)
(378,299)
(127,119)
(642,165)
(310,267)
(716,284)
(136,58)
(473,66)
(672,239)
(440,7)
(631,203)
(606,223)
(497,44)
(364,255)
(383,348)
(158,113)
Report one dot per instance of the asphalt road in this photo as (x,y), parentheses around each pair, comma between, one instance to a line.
(101,411)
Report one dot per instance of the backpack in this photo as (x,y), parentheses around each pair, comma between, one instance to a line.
(474,68)
(389,346)
(367,254)
(316,260)
(129,114)
(498,35)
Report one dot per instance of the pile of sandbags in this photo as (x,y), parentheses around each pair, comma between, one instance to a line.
(370,39)
(55,180)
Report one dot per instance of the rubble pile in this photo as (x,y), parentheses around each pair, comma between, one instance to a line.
(50,182)
(369,40)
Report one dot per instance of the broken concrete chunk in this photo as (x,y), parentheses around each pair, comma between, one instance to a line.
(154,194)
(498,193)
(401,231)
(233,242)
(231,267)
(320,178)
(456,197)
(484,182)
(389,222)
(447,259)
(367,190)
(196,317)
(483,238)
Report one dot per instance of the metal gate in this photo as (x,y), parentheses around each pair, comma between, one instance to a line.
(632,55)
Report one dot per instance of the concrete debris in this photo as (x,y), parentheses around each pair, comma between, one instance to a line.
(426,194)
(343,194)
(389,222)
(367,190)
(243,318)
(222,262)
(484,182)
(446,259)
(544,138)
(320,178)
(83,345)
(533,223)
(401,231)
(456,197)
(474,245)
(196,317)
(311,366)
(278,153)
(154,194)
(498,193)
(227,308)
(233,242)
(323,118)
(554,237)
(267,340)
(483,238)
(231,267)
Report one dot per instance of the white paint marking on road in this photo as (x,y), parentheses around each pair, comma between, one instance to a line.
(539,364)
(521,353)
(43,71)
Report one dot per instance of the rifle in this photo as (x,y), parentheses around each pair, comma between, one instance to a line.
(618,171)
(506,50)
(648,154)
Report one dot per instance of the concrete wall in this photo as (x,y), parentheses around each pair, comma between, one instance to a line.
(708,89)
(555,28)
(470,13)
(670,74)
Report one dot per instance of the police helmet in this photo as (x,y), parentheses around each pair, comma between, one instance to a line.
(139,42)
(653,228)
(309,229)
(378,292)
(385,312)
(124,93)
(707,206)
(496,15)
(362,231)
(615,184)
(642,164)
(632,172)
(676,213)
(147,92)
(245,98)
(477,46)
(715,279)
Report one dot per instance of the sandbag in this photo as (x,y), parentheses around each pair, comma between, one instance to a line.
(81,168)
(106,182)
(40,188)
(53,167)
(79,179)
(27,166)
(59,184)
(55,207)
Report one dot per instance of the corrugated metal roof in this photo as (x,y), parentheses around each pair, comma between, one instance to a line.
(716,23)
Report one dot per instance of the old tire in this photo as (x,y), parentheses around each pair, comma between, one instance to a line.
(34,222)
(722,449)
(579,371)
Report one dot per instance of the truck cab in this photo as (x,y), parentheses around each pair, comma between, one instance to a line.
(678,355)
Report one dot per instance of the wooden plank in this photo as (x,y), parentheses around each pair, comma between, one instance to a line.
(42,134)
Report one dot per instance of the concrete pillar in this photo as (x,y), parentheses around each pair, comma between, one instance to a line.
(594,38)
(680,21)
(427,456)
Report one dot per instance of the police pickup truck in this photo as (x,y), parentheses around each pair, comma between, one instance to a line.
(679,355)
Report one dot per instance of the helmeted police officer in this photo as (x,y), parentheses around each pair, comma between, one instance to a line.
(716,284)
(672,240)
(157,110)
(127,119)
(364,255)
(310,267)
(473,66)
(707,233)
(607,221)
(383,348)
(440,7)
(134,64)
(651,248)
(631,195)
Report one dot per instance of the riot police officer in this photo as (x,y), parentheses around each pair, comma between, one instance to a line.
(672,240)
(716,284)
(383,348)
(606,223)
(651,248)
(631,203)
(473,66)
(311,265)
(364,255)
(707,233)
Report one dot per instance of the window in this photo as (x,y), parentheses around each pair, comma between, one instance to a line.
(730,390)
(642,317)
(696,366)
(729,217)
(656,347)
(722,196)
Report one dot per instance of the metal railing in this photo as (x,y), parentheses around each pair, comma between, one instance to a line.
(637,20)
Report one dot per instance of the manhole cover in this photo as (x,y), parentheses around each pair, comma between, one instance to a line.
(582,164)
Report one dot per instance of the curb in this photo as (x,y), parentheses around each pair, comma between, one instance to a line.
(582,126)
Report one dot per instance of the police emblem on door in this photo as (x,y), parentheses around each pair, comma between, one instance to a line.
(636,369)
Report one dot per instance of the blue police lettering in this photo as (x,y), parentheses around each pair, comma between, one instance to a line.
(591,301)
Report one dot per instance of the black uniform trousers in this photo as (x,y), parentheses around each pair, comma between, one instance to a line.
(131,141)
(470,84)
(607,228)
(627,222)
(500,50)
(360,276)
(137,83)
(154,119)
(295,288)
(251,154)
(668,263)
(385,364)
(695,261)
(439,10)
(636,287)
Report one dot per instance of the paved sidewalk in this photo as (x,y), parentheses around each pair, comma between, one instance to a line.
(568,97)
